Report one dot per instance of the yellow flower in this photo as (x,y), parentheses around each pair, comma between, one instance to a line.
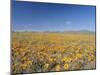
(46,66)
(66,66)
(90,58)
(24,58)
(78,55)
(54,59)
(59,56)
(23,66)
(30,62)
(67,59)
(57,68)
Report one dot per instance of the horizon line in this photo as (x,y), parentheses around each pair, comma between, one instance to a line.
(76,30)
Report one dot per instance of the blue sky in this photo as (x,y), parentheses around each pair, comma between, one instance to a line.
(34,16)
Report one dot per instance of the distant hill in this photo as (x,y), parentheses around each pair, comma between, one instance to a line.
(73,32)
(80,31)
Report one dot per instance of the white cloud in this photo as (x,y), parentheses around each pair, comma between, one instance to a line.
(26,26)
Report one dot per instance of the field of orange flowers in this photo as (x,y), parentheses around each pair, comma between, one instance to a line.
(47,52)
